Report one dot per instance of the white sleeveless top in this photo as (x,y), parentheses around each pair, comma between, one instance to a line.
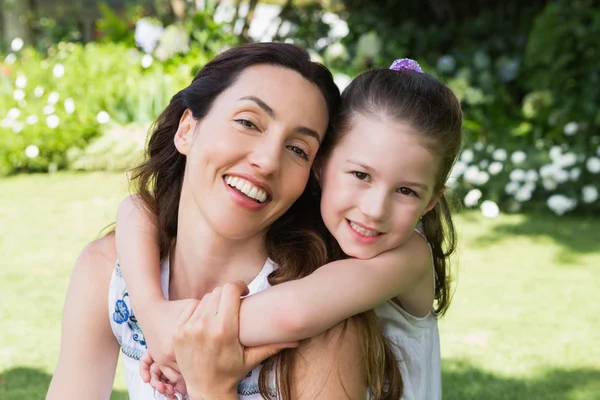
(133,345)
(417,347)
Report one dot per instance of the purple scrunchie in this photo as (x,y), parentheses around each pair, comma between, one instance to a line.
(406,64)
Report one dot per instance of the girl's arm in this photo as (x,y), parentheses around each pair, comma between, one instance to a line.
(288,312)
(306,307)
(88,350)
(139,256)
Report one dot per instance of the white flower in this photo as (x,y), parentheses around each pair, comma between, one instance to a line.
(342,81)
(483,164)
(593,165)
(511,187)
(13,113)
(16,44)
(32,119)
(10,59)
(102,117)
(518,157)
(478,146)
(147,35)
(560,175)
(489,209)
(532,176)
(38,92)
(53,98)
(549,184)
(570,129)
(467,155)
(495,168)
(517,175)
(19,94)
(458,169)
(69,105)
(589,194)
(32,151)
(446,64)
(17,127)
(560,204)
(471,174)
(499,155)
(48,110)
(482,178)
(575,173)
(472,197)
(523,194)
(147,61)
(58,71)
(555,153)
(21,82)
(567,160)
(52,121)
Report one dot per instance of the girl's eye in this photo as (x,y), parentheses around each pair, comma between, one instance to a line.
(247,124)
(301,153)
(361,175)
(406,191)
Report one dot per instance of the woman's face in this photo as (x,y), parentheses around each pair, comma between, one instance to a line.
(249,159)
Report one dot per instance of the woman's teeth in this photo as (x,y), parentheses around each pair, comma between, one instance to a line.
(247,188)
(363,231)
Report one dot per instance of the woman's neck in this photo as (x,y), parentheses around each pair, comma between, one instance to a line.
(203,260)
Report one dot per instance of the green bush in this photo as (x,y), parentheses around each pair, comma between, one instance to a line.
(60,102)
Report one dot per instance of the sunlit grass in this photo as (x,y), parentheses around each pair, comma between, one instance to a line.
(522,324)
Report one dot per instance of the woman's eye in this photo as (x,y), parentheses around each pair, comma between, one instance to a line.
(361,175)
(246,123)
(301,153)
(406,191)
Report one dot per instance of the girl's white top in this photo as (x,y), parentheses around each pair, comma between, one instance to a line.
(416,340)
(417,347)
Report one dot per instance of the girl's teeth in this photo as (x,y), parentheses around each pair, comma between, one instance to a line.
(363,231)
(246,188)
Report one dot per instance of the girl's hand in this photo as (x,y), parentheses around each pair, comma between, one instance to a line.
(207,348)
(166,383)
(160,369)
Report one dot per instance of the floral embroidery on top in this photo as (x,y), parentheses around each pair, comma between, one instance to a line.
(124,315)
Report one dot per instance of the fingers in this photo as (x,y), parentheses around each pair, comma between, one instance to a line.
(211,307)
(145,363)
(255,355)
(230,302)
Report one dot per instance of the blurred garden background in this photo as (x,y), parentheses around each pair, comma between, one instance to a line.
(82,80)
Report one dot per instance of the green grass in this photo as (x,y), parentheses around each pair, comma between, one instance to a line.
(523,323)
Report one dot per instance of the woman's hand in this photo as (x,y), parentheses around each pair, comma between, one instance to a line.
(208,352)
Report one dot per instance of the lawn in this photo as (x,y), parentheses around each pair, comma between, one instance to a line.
(523,323)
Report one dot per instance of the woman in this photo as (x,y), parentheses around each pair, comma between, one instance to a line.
(203,138)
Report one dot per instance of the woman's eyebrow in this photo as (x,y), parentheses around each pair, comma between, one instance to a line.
(261,104)
(271,113)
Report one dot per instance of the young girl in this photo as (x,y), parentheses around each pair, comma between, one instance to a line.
(382,200)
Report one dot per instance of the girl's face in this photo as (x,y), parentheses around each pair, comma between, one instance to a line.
(377,183)
(249,159)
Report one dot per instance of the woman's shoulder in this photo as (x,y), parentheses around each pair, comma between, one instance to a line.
(99,255)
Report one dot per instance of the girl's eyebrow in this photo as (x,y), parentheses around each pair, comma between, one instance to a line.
(364,166)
